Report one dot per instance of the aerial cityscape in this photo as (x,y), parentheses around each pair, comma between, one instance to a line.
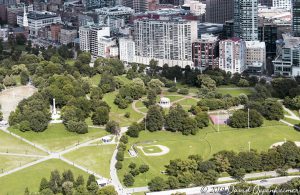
(149,97)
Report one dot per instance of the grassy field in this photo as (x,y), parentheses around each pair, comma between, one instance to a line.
(10,162)
(15,184)
(95,158)
(235,91)
(95,80)
(207,142)
(57,138)
(10,144)
(117,114)
(188,102)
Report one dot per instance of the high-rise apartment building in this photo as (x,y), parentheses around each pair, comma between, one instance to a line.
(296,17)
(206,52)
(136,5)
(255,56)
(246,19)
(168,41)
(127,50)
(232,55)
(286,4)
(90,36)
(92,4)
(219,11)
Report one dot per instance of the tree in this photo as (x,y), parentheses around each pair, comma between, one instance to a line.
(202,119)
(272,110)
(222,163)
(21,39)
(239,174)
(67,176)
(44,184)
(9,81)
(206,82)
(26,192)
(107,83)
(156,85)
(175,118)
(189,126)
(100,116)
(79,181)
(282,86)
(118,165)
(243,83)
(157,184)
(112,127)
(151,97)
(38,121)
(24,76)
(93,187)
(120,155)
(107,190)
(133,130)
(239,119)
(143,168)
(154,118)
(67,188)
(91,179)
(124,139)
(55,182)
(84,58)
(128,180)
(24,126)
(184,91)
(79,127)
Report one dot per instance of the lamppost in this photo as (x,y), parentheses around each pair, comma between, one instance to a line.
(249,145)
(248,118)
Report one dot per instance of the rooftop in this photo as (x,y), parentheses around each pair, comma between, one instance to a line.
(290,41)
(35,15)
(255,44)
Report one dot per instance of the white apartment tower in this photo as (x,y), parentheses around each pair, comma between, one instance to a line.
(246,19)
(286,4)
(127,50)
(84,38)
(232,55)
(168,41)
(90,36)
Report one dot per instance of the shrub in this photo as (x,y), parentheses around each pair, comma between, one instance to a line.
(184,91)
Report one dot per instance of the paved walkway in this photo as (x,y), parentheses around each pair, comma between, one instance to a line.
(291,115)
(51,155)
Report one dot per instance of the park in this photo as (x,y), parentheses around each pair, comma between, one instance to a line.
(95,110)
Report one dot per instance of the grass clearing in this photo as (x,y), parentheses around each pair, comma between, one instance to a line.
(206,143)
(10,162)
(151,149)
(10,144)
(117,114)
(57,138)
(15,183)
(95,158)
(235,91)
(95,80)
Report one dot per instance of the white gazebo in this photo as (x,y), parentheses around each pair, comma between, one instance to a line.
(165,102)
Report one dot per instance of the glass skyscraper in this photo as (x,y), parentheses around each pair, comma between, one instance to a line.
(296,17)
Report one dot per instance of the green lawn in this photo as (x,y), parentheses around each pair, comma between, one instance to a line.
(206,143)
(123,79)
(174,98)
(10,162)
(70,62)
(10,144)
(117,114)
(95,158)
(140,104)
(292,121)
(95,80)
(57,138)
(235,91)
(15,183)
(188,102)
